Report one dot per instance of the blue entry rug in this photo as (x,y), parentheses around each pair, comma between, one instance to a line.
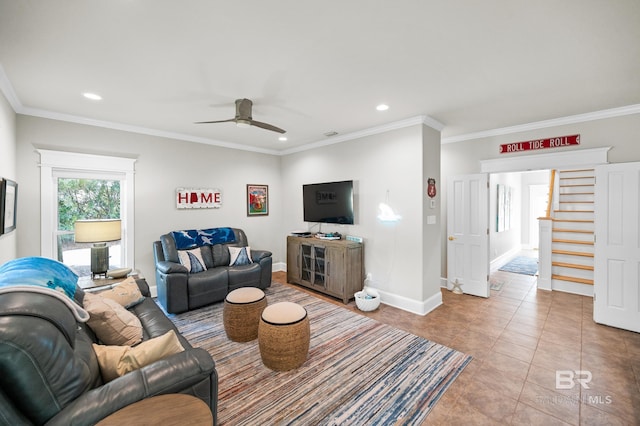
(522,265)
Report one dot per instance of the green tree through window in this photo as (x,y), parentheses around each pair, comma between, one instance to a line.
(87,199)
(80,199)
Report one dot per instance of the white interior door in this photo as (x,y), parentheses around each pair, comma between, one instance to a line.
(468,233)
(617,247)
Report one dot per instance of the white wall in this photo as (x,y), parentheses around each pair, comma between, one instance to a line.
(621,133)
(541,177)
(162,166)
(8,242)
(431,235)
(387,167)
(393,167)
(509,240)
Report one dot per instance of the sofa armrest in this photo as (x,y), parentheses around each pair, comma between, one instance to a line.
(263,257)
(178,373)
(257,255)
(167,267)
(173,290)
(144,287)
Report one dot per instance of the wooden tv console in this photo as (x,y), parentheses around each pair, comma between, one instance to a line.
(332,267)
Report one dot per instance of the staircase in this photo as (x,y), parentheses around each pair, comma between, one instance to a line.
(573,232)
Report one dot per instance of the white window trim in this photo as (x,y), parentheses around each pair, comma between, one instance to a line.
(55,161)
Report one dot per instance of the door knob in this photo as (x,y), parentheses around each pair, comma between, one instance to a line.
(451,238)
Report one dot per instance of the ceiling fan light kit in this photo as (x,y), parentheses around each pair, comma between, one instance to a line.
(243,117)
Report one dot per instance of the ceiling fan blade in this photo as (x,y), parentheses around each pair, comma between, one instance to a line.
(217,121)
(267,126)
(243,116)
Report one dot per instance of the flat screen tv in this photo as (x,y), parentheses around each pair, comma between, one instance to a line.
(329,202)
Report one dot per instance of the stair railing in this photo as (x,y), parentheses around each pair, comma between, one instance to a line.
(552,181)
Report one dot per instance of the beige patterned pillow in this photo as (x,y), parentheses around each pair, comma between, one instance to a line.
(112,323)
(127,293)
(116,361)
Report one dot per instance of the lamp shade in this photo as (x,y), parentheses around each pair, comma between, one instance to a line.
(97,231)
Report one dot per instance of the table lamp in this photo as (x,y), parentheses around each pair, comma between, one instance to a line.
(98,232)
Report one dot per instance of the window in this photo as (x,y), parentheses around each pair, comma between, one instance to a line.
(81,198)
(82,186)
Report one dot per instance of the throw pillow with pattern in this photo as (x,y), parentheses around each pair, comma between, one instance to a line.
(192,260)
(240,256)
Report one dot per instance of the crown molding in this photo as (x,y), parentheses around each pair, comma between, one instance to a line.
(141,130)
(572,119)
(421,119)
(7,90)
(18,108)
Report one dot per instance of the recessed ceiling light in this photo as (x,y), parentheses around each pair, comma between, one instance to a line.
(282,138)
(92,96)
(382,107)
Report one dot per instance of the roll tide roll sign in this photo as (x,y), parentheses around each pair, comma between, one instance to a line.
(540,144)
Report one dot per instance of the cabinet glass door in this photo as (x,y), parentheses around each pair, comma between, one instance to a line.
(319,263)
(307,263)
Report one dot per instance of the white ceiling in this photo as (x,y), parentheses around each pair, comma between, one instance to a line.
(316,67)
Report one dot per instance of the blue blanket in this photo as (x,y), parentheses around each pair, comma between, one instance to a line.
(193,238)
(39,271)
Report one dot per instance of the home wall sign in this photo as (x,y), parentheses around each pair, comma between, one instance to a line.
(198,198)
(538,144)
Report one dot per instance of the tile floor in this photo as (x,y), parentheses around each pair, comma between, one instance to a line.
(520,338)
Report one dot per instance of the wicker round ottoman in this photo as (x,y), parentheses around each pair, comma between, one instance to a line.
(283,336)
(241,314)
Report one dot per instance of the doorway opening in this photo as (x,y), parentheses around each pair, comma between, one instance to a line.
(517,200)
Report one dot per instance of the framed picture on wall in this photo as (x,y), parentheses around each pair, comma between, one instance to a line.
(8,202)
(257,200)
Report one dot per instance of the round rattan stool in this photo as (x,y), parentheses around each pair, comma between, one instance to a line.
(241,314)
(283,336)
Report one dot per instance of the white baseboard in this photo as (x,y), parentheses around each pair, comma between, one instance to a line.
(410,305)
(391,299)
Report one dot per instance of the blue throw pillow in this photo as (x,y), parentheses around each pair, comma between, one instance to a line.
(39,271)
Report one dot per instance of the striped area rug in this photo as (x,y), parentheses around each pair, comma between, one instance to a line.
(359,371)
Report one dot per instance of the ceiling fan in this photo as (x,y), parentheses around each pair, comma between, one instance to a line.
(243,117)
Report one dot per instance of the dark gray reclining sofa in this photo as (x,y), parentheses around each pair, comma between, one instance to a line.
(180,290)
(49,372)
